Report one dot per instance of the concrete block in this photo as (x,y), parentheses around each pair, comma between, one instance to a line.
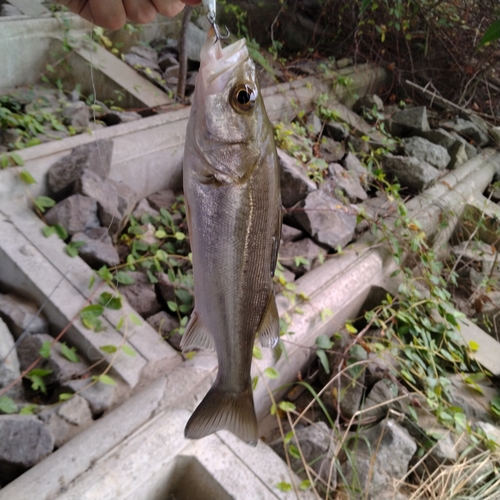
(30,7)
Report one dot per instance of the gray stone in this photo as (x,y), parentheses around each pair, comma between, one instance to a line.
(438,136)
(99,234)
(458,155)
(357,144)
(410,120)
(165,324)
(116,117)
(105,194)
(195,39)
(146,52)
(295,183)
(424,150)
(491,431)
(75,214)
(469,148)
(379,400)
(344,183)
(317,444)
(21,315)
(138,62)
(314,126)
(95,156)
(305,248)
(61,368)
(374,209)
(77,115)
(24,441)
(289,233)
(331,151)
(66,420)
(336,131)
(171,72)
(162,199)
(352,163)
(368,103)
(127,198)
(410,172)
(326,219)
(167,60)
(467,129)
(100,397)
(9,363)
(144,208)
(375,465)
(7,10)
(96,253)
(141,295)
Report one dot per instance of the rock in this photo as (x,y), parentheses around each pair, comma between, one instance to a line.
(105,194)
(306,249)
(317,444)
(368,103)
(7,10)
(127,198)
(24,441)
(66,420)
(61,368)
(326,219)
(167,60)
(77,115)
(424,150)
(165,287)
(314,126)
(145,52)
(95,156)
(162,199)
(373,209)
(165,324)
(144,208)
(295,183)
(21,315)
(335,131)
(352,163)
(467,129)
(195,39)
(141,295)
(289,233)
(99,234)
(344,183)
(331,151)
(382,455)
(379,400)
(410,172)
(138,62)
(100,397)
(116,117)
(438,136)
(410,120)
(458,155)
(75,214)
(9,363)
(357,144)
(96,253)
(477,252)
(469,148)
(490,431)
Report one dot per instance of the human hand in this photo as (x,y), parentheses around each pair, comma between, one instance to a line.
(113,14)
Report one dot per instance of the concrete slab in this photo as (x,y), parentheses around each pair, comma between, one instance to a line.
(30,7)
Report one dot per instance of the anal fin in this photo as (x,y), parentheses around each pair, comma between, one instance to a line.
(269,328)
(195,336)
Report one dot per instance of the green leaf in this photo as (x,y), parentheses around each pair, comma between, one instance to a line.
(124,278)
(49,231)
(286,406)
(257,353)
(72,248)
(17,160)
(284,486)
(110,349)
(152,278)
(7,405)
(135,319)
(105,274)
(128,350)
(271,373)
(305,485)
(43,202)
(474,346)
(294,451)
(495,405)
(92,310)
(120,323)
(172,305)
(45,349)
(160,234)
(288,437)
(69,353)
(255,381)
(64,396)
(106,299)
(91,281)
(180,236)
(491,34)
(350,328)
(26,177)
(60,231)
(323,360)
(323,342)
(27,410)
(105,379)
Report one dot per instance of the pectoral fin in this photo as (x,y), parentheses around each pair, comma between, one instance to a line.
(195,336)
(269,328)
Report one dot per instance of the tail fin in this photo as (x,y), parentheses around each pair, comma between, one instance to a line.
(222,410)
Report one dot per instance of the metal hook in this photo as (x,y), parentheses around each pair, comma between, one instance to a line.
(218,35)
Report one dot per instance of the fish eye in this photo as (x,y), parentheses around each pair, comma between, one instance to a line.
(243,97)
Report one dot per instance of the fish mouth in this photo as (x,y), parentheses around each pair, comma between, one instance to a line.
(217,63)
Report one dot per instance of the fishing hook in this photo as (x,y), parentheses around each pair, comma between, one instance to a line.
(218,35)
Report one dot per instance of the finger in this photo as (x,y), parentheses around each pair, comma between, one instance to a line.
(108,14)
(140,11)
(169,8)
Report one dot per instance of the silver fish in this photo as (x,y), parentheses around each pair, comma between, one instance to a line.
(233,200)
